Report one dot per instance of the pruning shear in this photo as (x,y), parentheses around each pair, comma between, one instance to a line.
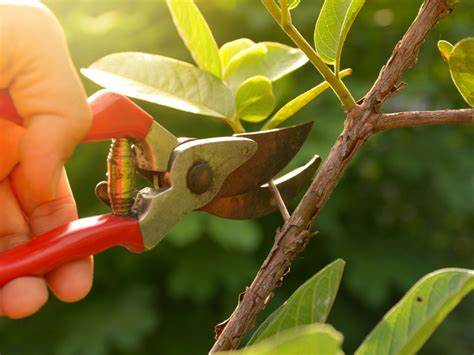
(224,176)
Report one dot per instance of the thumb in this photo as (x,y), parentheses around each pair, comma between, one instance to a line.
(37,69)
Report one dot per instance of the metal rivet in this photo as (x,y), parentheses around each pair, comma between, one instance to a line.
(199,178)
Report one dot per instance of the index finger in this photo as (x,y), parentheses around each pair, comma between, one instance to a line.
(36,68)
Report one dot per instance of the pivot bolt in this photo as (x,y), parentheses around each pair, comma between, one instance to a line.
(200,177)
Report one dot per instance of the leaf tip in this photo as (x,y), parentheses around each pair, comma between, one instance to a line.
(445,48)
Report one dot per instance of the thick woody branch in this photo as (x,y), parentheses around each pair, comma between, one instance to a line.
(405,54)
(424,118)
(361,122)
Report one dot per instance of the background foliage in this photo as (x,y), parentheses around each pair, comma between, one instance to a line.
(404,208)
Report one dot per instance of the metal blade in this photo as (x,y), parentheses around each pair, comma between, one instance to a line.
(276,148)
(260,202)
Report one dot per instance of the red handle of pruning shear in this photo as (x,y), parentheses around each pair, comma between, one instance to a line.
(72,241)
(114,116)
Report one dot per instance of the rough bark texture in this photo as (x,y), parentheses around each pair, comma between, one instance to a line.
(361,122)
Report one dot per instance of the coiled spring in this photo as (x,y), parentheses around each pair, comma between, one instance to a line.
(121,177)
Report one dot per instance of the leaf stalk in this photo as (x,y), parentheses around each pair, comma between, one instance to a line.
(339,88)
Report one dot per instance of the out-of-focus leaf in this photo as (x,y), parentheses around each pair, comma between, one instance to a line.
(407,326)
(122,324)
(314,339)
(242,235)
(445,48)
(311,303)
(269,59)
(187,231)
(333,25)
(196,34)
(165,81)
(292,107)
(255,99)
(230,49)
(291,3)
(461,65)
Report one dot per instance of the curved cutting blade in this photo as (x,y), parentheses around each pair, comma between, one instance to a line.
(260,202)
(276,148)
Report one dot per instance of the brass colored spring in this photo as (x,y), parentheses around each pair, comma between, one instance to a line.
(121,176)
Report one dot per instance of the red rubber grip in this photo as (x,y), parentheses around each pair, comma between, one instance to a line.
(76,240)
(114,116)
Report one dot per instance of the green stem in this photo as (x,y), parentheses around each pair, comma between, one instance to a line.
(235,124)
(291,31)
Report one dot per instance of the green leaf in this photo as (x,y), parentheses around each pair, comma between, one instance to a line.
(461,65)
(295,105)
(311,303)
(407,326)
(196,34)
(333,25)
(445,48)
(230,49)
(291,3)
(255,99)
(244,236)
(165,81)
(269,59)
(314,339)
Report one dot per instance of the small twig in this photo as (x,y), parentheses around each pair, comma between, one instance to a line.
(424,118)
(292,32)
(279,200)
(285,13)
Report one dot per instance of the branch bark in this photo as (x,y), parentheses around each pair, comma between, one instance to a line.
(361,122)
(424,118)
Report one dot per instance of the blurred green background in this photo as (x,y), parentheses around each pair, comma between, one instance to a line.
(404,208)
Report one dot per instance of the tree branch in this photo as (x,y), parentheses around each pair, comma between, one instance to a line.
(362,121)
(424,118)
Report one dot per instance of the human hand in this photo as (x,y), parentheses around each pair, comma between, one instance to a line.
(34,191)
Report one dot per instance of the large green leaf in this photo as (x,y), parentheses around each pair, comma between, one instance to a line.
(165,81)
(196,34)
(255,99)
(292,107)
(407,326)
(333,25)
(314,339)
(269,59)
(230,49)
(461,65)
(311,303)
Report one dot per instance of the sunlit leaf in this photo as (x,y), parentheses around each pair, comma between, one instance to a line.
(244,236)
(445,48)
(461,65)
(230,49)
(292,107)
(165,81)
(196,34)
(269,59)
(314,339)
(255,99)
(291,3)
(311,303)
(333,25)
(407,326)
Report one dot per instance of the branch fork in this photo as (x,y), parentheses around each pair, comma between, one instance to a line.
(363,119)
